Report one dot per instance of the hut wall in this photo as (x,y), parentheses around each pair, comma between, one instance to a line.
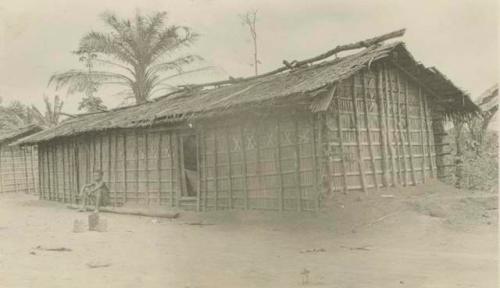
(139,167)
(380,132)
(259,163)
(18,169)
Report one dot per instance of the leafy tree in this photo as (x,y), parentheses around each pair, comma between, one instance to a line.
(16,114)
(136,54)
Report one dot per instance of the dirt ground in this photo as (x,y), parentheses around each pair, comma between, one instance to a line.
(425,236)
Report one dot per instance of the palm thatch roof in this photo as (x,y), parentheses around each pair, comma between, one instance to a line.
(13,135)
(304,82)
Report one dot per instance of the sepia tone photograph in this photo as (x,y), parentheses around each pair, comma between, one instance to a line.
(233,143)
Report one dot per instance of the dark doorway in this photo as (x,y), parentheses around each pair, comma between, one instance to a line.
(190,165)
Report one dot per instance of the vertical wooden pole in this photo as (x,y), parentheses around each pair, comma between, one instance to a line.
(13,164)
(181,176)
(297,165)
(76,155)
(281,200)
(146,153)
(41,188)
(422,132)
(199,170)
(257,164)
(115,198)
(401,137)
(368,130)
(315,163)
(387,107)
(172,166)
(244,157)
(63,157)
(48,193)
(23,149)
(341,143)
(215,170)
(2,188)
(361,161)
(383,132)
(56,172)
(408,132)
(428,134)
(395,130)
(206,167)
(137,192)
(110,160)
(158,165)
(230,174)
(125,184)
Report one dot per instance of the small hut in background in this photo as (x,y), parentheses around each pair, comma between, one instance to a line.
(278,141)
(18,165)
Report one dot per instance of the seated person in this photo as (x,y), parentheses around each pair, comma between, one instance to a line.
(96,193)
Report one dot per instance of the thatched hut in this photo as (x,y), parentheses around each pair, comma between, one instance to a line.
(18,165)
(280,141)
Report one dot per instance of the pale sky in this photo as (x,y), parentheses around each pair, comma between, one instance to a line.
(458,37)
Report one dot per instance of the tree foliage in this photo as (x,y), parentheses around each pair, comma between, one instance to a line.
(137,54)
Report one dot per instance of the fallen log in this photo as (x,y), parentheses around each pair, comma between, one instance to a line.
(128,211)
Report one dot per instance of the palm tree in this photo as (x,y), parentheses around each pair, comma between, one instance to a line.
(16,114)
(52,115)
(136,54)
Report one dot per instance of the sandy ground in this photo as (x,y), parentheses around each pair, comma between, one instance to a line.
(427,237)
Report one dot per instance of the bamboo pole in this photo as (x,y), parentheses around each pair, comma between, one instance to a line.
(26,170)
(137,193)
(63,146)
(158,165)
(315,163)
(56,172)
(428,135)
(41,188)
(215,170)
(205,156)
(387,104)
(2,188)
(13,164)
(109,161)
(230,176)
(199,171)
(49,179)
(146,155)
(412,167)
(172,166)
(257,164)
(244,158)
(358,135)
(281,197)
(180,165)
(395,131)
(341,144)
(125,168)
(297,166)
(403,148)
(76,155)
(368,131)
(325,146)
(422,136)
(115,192)
(380,110)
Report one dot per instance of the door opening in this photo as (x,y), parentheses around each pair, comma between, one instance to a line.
(190,166)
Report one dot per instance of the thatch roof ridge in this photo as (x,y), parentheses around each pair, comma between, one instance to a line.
(7,136)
